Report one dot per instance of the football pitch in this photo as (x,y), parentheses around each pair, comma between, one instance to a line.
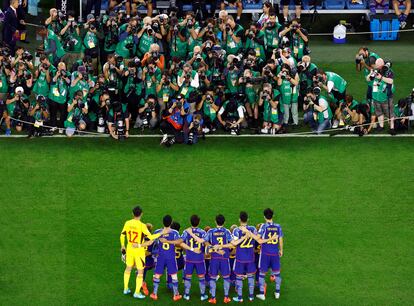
(345,206)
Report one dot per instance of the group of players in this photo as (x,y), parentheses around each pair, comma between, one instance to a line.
(243,252)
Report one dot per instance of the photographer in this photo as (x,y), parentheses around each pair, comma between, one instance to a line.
(127,40)
(288,81)
(147,36)
(133,85)
(151,75)
(101,111)
(72,42)
(38,114)
(209,105)
(250,86)
(403,111)
(192,128)
(111,39)
(91,39)
(321,107)
(43,77)
(255,41)
(166,88)
(347,112)
(173,121)
(269,99)
(208,32)
(188,80)
(58,95)
(81,81)
(23,56)
(365,62)
(232,36)
(231,115)
(382,92)
(298,38)
(113,70)
(196,58)
(77,117)
(333,83)
(271,37)
(154,56)
(147,113)
(233,73)
(307,72)
(55,21)
(269,72)
(18,107)
(21,78)
(52,46)
(177,40)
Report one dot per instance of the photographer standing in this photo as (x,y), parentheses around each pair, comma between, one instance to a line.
(166,89)
(269,99)
(321,108)
(255,41)
(52,46)
(91,41)
(43,77)
(58,95)
(110,29)
(38,114)
(209,105)
(288,81)
(127,40)
(77,114)
(298,38)
(232,36)
(382,92)
(365,62)
(72,42)
(271,37)
(177,40)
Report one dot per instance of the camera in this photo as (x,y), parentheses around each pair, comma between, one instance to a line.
(373,74)
(27,56)
(156,27)
(150,31)
(41,101)
(80,104)
(228,28)
(179,104)
(358,59)
(284,74)
(199,58)
(207,46)
(267,71)
(190,24)
(155,55)
(251,34)
(301,67)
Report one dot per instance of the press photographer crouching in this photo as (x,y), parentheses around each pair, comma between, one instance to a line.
(192,128)
(231,115)
(17,108)
(347,113)
(173,120)
(147,113)
(321,108)
(404,111)
(38,115)
(118,119)
(77,114)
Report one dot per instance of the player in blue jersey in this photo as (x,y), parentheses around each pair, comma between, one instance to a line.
(149,260)
(270,252)
(194,261)
(166,257)
(179,256)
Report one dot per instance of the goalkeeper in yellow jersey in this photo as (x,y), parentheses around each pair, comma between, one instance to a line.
(134,254)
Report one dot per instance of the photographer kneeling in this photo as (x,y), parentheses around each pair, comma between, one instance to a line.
(173,121)
(17,108)
(347,112)
(321,107)
(77,114)
(192,128)
(147,113)
(231,115)
(118,120)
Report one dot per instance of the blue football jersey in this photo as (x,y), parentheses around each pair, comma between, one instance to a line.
(245,250)
(270,230)
(190,241)
(220,236)
(167,250)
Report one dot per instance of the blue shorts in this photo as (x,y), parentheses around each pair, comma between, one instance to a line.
(242,268)
(149,262)
(166,263)
(267,262)
(199,267)
(219,265)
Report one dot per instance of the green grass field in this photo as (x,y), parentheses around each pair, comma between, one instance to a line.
(345,206)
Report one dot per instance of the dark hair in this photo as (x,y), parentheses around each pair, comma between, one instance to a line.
(137,211)
(175,226)
(349,98)
(243,216)
(268,213)
(220,220)
(167,220)
(195,220)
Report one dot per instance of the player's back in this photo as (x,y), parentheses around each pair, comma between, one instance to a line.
(133,230)
(219,236)
(190,241)
(270,230)
(166,249)
(245,250)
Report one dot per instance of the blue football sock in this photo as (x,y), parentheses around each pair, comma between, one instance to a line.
(239,286)
(156,282)
(262,282)
(187,285)
(213,287)
(175,286)
(250,281)
(202,284)
(226,286)
(278,282)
